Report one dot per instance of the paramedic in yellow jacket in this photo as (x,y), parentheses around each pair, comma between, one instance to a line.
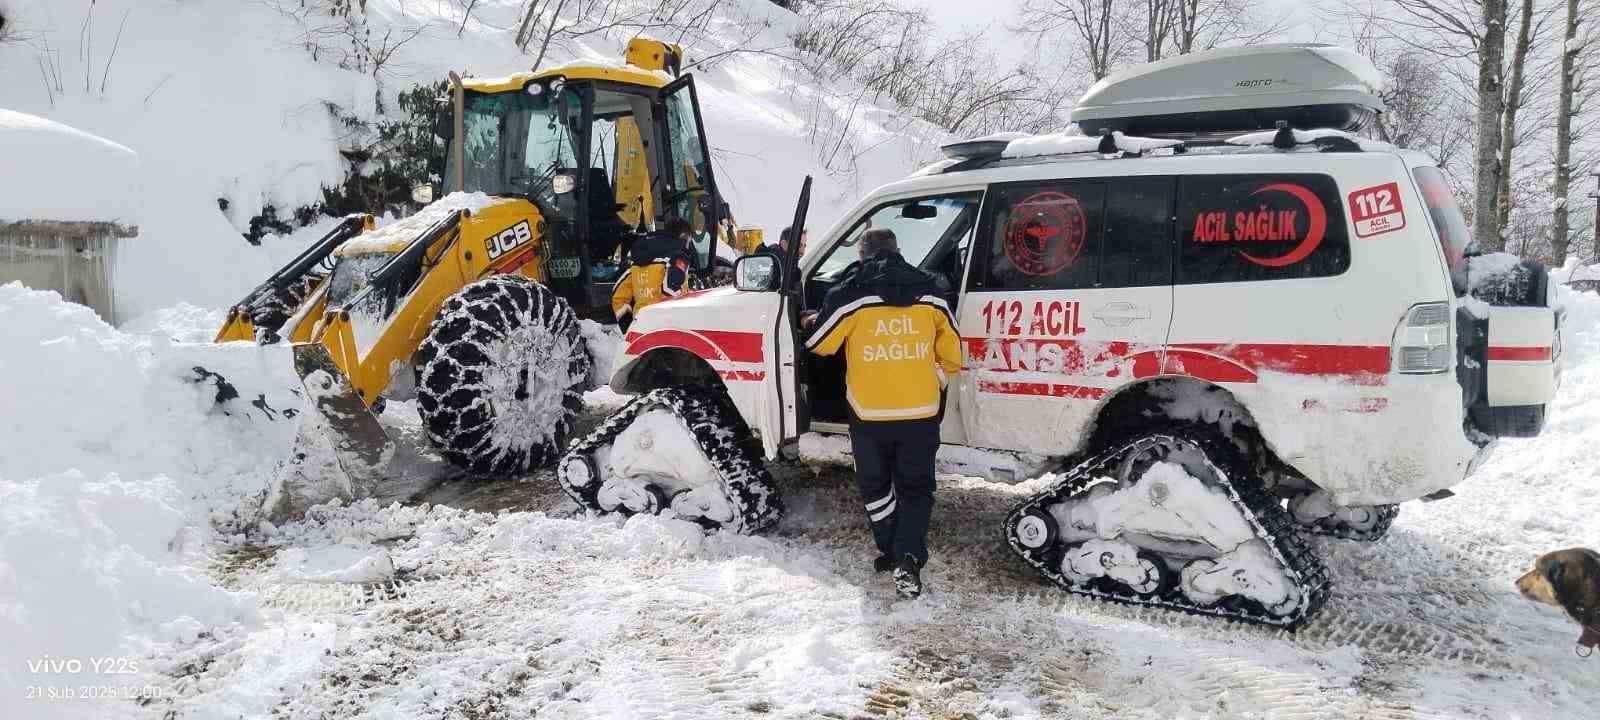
(901,348)
(659,270)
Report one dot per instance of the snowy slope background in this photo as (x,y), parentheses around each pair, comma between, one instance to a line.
(237,108)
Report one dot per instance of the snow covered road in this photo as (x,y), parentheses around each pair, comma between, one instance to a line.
(528,611)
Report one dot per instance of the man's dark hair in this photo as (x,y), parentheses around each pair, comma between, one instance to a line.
(783,236)
(678,227)
(876,241)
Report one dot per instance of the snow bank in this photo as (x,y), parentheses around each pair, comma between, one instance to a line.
(116,463)
(1306,137)
(55,172)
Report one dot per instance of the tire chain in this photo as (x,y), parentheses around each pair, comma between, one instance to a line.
(476,315)
(722,436)
(1267,518)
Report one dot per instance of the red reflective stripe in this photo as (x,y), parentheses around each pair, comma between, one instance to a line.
(743,375)
(1300,359)
(1076,392)
(710,344)
(1219,362)
(1503,352)
(522,259)
(740,346)
(1206,366)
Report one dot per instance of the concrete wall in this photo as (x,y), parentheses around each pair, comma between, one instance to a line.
(76,259)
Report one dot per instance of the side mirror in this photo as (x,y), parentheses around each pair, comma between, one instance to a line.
(757,273)
(422,194)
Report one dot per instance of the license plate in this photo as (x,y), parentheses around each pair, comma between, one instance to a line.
(564,268)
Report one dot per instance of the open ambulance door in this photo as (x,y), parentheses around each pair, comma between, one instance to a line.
(794,416)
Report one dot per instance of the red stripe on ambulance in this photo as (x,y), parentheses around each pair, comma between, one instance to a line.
(1508,353)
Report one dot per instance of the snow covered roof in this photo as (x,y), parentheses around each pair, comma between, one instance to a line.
(1067,143)
(49,171)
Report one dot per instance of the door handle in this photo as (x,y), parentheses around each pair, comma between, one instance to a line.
(1119,314)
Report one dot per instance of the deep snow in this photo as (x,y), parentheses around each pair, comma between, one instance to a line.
(72,175)
(429,611)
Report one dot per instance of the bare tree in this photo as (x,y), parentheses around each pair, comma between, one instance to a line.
(1097,26)
(1467,31)
(1530,24)
(1159,18)
(1205,24)
(970,92)
(546,24)
(1573,90)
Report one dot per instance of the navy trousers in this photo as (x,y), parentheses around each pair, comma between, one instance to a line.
(894,470)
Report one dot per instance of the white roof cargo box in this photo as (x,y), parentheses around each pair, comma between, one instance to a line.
(1247,88)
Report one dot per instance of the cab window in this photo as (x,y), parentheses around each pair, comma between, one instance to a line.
(931,232)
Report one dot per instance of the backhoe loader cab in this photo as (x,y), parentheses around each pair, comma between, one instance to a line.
(603,153)
(476,299)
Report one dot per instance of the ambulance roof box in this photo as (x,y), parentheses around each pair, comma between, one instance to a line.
(1236,89)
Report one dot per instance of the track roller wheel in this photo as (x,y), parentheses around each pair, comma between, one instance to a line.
(1037,530)
(1314,512)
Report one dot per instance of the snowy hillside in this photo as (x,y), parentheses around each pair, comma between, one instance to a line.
(221,99)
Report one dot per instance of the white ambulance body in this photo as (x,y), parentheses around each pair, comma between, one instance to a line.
(1296,318)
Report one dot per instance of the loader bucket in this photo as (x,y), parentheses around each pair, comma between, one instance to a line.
(341,450)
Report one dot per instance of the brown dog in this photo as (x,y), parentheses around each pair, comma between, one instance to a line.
(1568,579)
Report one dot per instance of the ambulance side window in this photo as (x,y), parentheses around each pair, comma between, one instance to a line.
(1043,237)
(1237,228)
(1138,243)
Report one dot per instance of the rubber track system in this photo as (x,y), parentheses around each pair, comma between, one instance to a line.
(1380,528)
(1270,522)
(723,437)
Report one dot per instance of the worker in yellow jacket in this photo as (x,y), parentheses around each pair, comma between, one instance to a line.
(659,270)
(901,348)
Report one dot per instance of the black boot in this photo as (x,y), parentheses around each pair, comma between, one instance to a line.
(908,577)
(882,564)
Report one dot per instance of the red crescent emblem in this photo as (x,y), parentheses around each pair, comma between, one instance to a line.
(1318,226)
(1045,233)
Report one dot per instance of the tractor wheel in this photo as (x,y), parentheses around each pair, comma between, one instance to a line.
(501,375)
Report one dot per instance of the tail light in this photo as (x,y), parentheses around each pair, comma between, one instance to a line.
(1422,342)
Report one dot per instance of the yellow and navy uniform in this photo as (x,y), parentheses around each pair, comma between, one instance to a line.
(646,282)
(899,337)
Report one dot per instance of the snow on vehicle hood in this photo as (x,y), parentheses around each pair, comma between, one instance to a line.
(395,235)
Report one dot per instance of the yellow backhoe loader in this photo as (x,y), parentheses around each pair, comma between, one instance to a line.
(474,303)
